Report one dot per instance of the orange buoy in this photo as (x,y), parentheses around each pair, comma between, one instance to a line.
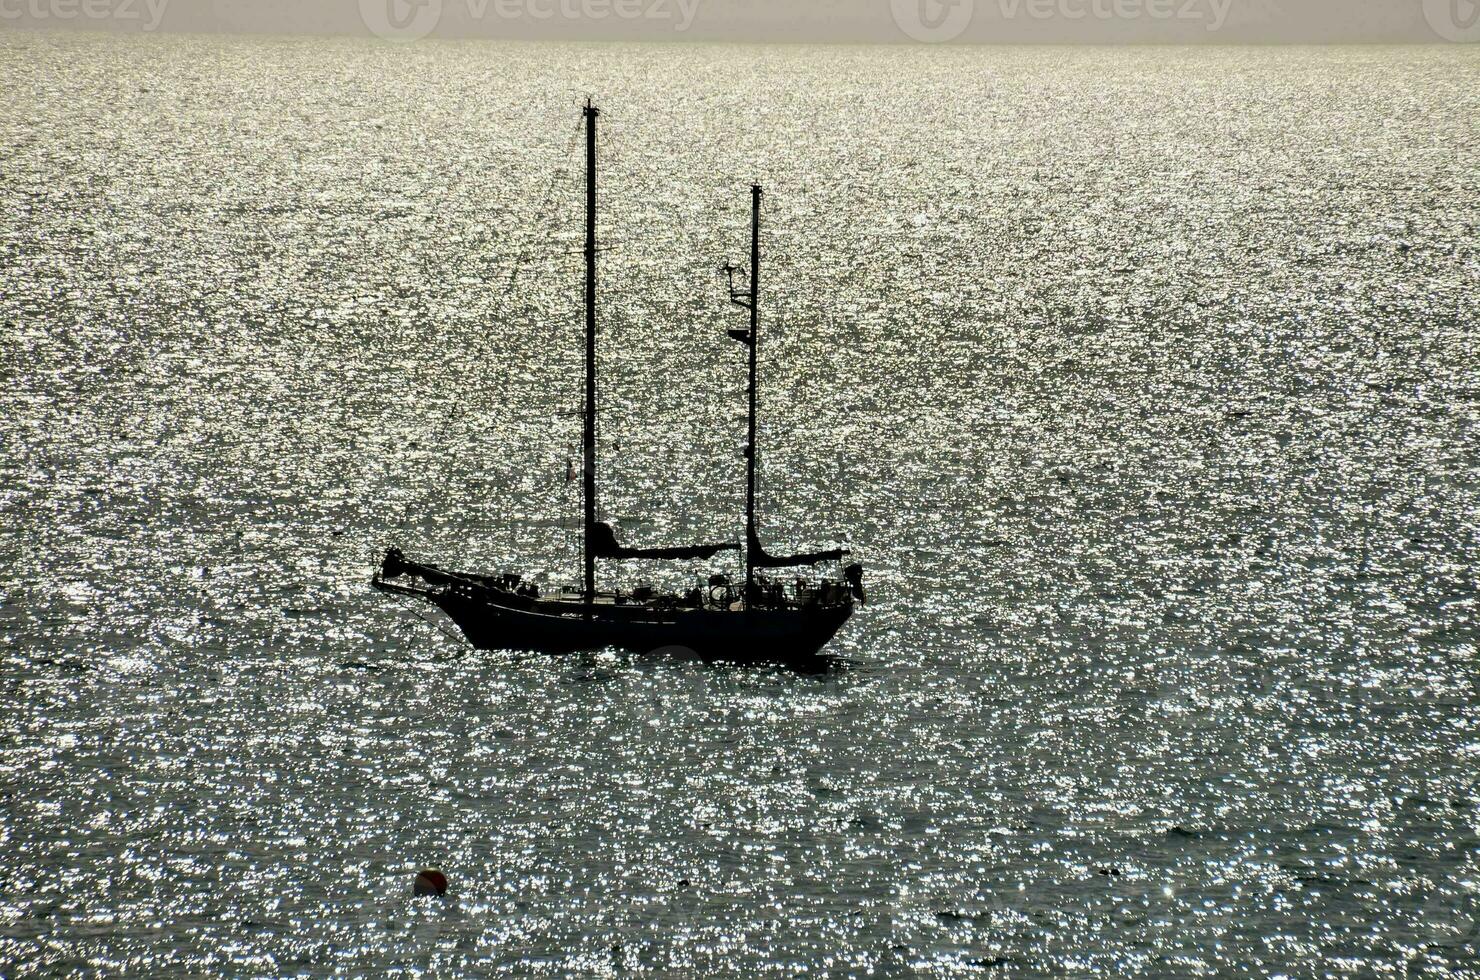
(430,882)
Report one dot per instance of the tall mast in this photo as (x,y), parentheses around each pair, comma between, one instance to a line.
(588,434)
(750,449)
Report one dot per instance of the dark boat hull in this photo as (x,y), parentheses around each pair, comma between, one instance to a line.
(744,636)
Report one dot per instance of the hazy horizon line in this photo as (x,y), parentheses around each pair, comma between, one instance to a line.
(1098,23)
(690,39)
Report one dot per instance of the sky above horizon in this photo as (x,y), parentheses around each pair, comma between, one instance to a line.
(846,21)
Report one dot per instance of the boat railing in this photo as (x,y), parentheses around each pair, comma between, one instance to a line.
(798,594)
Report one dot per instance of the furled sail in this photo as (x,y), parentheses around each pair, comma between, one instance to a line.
(760,559)
(396,564)
(603,543)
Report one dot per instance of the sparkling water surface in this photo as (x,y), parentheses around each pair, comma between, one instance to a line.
(1143,380)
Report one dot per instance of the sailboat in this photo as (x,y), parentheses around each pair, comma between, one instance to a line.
(762,620)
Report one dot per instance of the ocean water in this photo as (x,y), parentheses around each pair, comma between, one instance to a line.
(1142,380)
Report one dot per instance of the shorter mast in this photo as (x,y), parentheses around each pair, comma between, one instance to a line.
(755,553)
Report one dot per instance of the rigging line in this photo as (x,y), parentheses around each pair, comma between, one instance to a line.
(454,412)
(459,640)
(553,257)
(457,407)
(541,211)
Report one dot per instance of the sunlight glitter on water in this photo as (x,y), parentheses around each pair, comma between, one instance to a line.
(1146,390)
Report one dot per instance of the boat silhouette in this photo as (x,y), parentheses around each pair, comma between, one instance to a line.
(762,620)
